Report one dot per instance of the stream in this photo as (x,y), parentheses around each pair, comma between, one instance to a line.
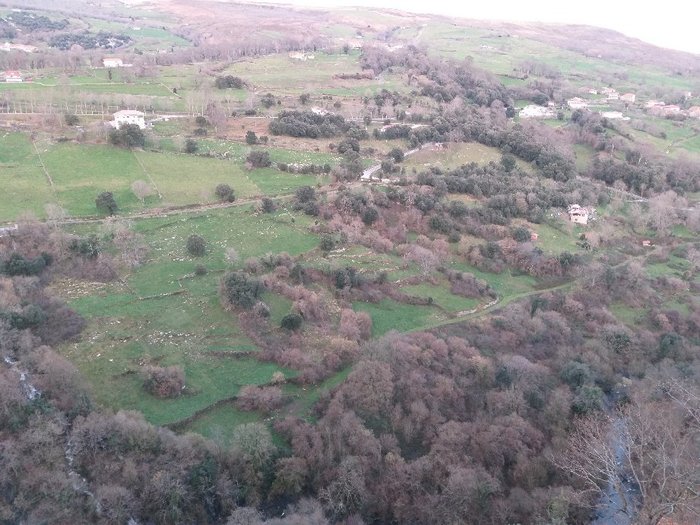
(32,393)
(619,501)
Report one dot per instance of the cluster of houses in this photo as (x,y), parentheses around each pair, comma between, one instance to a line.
(606,95)
(660,109)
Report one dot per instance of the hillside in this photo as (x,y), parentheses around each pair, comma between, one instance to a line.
(266,264)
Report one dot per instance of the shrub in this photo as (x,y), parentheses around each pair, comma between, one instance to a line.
(105,203)
(164,382)
(191,146)
(229,82)
(238,290)
(200,269)
(18,265)
(305,194)
(196,245)
(88,247)
(262,398)
(225,193)
(327,242)
(268,205)
(291,322)
(251,138)
(71,119)
(259,159)
(128,136)
(521,234)
(201,121)
(370,216)
(396,154)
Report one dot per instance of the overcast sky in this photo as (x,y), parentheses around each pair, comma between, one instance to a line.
(671,23)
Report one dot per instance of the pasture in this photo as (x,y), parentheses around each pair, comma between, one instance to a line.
(25,187)
(81,171)
(453,156)
(133,324)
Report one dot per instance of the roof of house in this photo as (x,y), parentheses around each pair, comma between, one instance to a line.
(129,113)
(12,73)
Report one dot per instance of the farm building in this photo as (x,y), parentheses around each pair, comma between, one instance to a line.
(628,97)
(17,47)
(577,103)
(129,116)
(534,236)
(665,110)
(610,93)
(578,214)
(13,76)
(694,112)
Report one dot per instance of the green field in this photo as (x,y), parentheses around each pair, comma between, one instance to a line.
(454,156)
(389,315)
(26,187)
(81,171)
(129,327)
(441,296)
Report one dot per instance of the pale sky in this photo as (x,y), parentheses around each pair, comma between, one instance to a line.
(672,23)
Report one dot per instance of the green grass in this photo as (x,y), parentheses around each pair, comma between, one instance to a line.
(187,179)
(81,172)
(219,422)
(365,261)
(25,187)
(674,267)
(454,156)
(505,284)
(390,315)
(441,296)
(274,182)
(128,329)
(627,315)
(553,240)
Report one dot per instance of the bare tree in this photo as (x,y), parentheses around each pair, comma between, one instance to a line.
(646,455)
(142,189)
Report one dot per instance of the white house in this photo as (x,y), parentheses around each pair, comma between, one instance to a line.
(577,103)
(128,116)
(13,76)
(112,62)
(628,98)
(610,93)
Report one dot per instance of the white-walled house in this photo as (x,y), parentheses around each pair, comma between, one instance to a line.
(129,116)
(112,62)
(13,76)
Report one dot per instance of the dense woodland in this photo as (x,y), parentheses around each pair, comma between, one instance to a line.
(500,418)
